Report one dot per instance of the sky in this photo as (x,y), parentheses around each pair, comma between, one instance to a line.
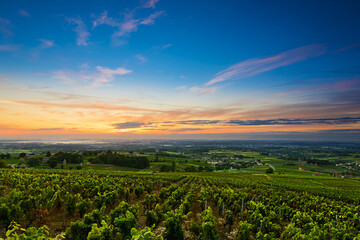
(168,69)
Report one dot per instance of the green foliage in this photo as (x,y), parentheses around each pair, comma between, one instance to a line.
(195,228)
(3,164)
(33,162)
(122,160)
(229,219)
(31,233)
(123,225)
(5,217)
(173,226)
(104,232)
(70,203)
(144,234)
(269,170)
(139,190)
(209,231)
(244,230)
(53,163)
(83,205)
(79,230)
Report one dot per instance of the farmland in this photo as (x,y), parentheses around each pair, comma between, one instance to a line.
(85,204)
(202,192)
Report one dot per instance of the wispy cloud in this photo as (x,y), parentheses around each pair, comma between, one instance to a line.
(256,66)
(141,58)
(126,26)
(126,125)
(338,86)
(267,122)
(5,25)
(151,19)
(46,129)
(181,87)
(81,31)
(150,3)
(24,13)
(96,79)
(107,75)
(347,47)
(9,48)
(202,90)
(98,106)
(44,44)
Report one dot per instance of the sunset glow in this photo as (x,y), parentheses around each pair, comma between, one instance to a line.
(186,69)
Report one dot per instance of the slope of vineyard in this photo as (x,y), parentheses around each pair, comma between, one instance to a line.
(129,205)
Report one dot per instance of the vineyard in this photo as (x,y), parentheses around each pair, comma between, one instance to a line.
(43,204)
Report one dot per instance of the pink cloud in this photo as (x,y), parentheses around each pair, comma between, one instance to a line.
(9,48)
(343,85)
(24,13)
(347,48)
(256,66)
(5,27)
(150,19)
(150,3)
(126,26)
(81,31)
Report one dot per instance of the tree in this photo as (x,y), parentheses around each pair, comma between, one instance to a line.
(53,163)
(3,164)
(173,166)
(270,170)
(22,155)
(165,168)
(48,154)
(32,162)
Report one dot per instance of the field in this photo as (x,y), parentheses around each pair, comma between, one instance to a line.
(97,204)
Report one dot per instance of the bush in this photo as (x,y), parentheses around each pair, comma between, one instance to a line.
(269,170)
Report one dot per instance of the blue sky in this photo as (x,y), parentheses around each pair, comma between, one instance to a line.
(98,65)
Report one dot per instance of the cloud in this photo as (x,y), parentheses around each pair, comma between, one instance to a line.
(24,13)
(126,125)
(97,106)
(256,66)
(347,48)
(165,46)
(187,129)
(108,74)
(299,121)
(202,90)
(150,19)
(340,131)
(9,48)
(47,129)
(128,25)
(267,122)
(181,87)
(5,27)
(150,4)
(81,31)
(102,77)
(141,58)
(44,44)
(338,86)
